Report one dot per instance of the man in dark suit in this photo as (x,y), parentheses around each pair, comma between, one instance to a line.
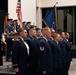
(24,24)
(28,24)
(59,55)
(9,30)
(68,52)
(20,54)
(63,47)
(38,32)
(45,65)
(10,26)
(54,53)
(16,26)
(33,52)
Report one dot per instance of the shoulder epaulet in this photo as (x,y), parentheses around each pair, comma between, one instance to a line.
(17,39)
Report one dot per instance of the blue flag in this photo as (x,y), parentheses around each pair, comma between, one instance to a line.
(50,19)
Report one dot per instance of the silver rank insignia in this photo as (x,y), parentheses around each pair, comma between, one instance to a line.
(41,48)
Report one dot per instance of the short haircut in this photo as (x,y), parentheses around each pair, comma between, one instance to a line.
(61,32)
(45,29)
(32,27)
(66,33)
(52,29)
(38,29)
(20,30)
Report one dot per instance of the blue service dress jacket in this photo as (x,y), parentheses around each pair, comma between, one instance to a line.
(45,62)
(54,52)
(63,47)
(33,54)
(59,55)
(68,50)
(20,57)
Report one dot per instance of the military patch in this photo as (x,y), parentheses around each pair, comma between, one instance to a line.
(41,48)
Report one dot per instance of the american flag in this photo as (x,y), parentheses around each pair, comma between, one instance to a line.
(19,12)
(6,20)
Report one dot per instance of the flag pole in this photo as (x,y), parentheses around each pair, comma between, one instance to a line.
(56,16)
(50,11)
(56,3)
(44,22)
(47,14)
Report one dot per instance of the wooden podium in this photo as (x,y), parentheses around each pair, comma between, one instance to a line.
(15,36)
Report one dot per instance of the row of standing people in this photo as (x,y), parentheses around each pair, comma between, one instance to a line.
(46,54)
(10,29)
(13,25)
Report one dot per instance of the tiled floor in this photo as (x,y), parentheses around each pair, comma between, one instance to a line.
(72,70)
